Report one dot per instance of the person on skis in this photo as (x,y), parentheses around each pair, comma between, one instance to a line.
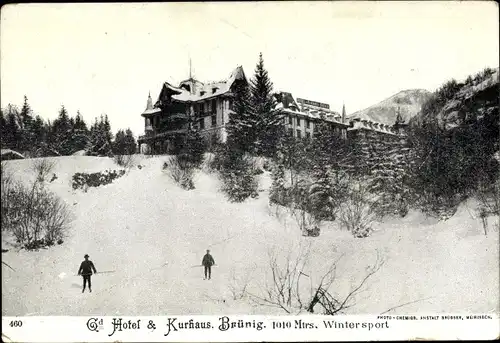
(85,270)
(208,262)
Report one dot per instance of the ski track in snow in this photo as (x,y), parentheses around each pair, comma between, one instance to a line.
(143,220)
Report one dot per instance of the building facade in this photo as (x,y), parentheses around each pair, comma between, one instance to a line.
(208,107)
(301,116)
(205,107)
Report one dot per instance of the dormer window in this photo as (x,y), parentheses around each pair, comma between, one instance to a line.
(214,89)
(202,93)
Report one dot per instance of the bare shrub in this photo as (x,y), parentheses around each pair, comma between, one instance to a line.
(239,283)
(125,161)
(293,290)
(37,217)
(302,208)
(331,303)
(208,163)
(42,168)
(283,290)
(489,202)
(6,195)
(181,171)
(356,213)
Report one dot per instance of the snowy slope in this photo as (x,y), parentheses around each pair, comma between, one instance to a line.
(154,235)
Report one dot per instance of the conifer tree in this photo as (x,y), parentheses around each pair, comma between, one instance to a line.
(3,130)
(79,138)
(192,146)
(25,122)
(242,126)
(130,142)
(39,132)
(269,120)
(124,143)
(13,133)
(100,137)
(62,132)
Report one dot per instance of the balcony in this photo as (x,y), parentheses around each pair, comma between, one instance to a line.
(151,135)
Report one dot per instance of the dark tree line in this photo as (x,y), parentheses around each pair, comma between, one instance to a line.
(25,132)
(452,162)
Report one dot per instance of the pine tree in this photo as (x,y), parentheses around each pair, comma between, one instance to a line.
(13,133)
(130,142)
(39,132)
(193,147)
(100,138)
(328,147)
(277,193)
(25,122)
(242,126)
(79,134)
(62,132)
(124,143)
(269,120)
(107,129)
(3,130)
(118,143)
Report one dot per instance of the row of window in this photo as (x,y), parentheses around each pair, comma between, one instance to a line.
(299,133)
(213,121)
(209,106)
(307,121)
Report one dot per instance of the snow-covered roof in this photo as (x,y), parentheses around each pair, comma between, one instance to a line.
(200,91)
(151,111)
(287,103)
(327,118)
(10,154)
(359,124)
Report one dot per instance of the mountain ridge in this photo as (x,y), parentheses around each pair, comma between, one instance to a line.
(408,102)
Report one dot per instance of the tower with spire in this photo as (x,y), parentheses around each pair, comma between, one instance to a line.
(149,105)
(343,112)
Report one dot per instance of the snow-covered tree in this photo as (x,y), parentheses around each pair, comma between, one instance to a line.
(61,133)
(124,143)
(25,121)
(242,126)
(13,132)
(269,119)
(100,138)
(3,130)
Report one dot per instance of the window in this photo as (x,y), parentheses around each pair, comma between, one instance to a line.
(308,123)
(308,135)
(202,123)
(299,133)
(298,121)
(214,106)
(214,119)
(290,121)
(290,132)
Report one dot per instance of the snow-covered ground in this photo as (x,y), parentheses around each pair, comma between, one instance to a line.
(153,234)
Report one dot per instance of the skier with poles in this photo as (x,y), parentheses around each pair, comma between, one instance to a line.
(86,271)
(208,262)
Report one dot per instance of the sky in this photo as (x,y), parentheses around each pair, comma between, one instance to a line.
(106,58)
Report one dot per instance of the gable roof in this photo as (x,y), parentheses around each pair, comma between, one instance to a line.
(201,91)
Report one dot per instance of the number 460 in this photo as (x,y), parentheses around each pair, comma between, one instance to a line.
(16,323)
